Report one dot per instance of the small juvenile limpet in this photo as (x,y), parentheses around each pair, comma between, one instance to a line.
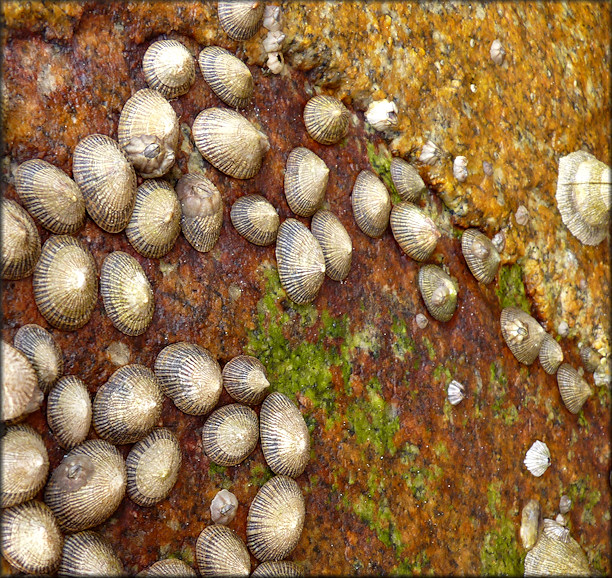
(223,507)
(537,458)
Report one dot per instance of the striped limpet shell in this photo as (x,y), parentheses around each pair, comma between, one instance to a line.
(169,567)
(439,292)
(407,180)
(20,241)
(480,255)
(415,233)
(335,243)
(221,552)
(20,391)
(241,19)
(573,388)
(69,411)
(89,554)
(277,568)
(371,204)
(551,354)
(254,217)
(169,68)
(306,178)
(522,333)
(244,378)
(326,119)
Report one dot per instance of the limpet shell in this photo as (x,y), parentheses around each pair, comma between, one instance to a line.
(306,178)
(277,568)
(275,519)
(300,261)
(522,333)
(573,388)
(168,567)
(228,77)
(551,354)
(43,352)
(371,204)
(335,243)
(530,523)
(455,392)
(169,68)
(69,411)
(255,219)
(415,233)
(20,241)
(50,196)
(107,180)
(480,255)
(221,552)
(552,556)
(240,19)
(20,391)
(223,507)
(244,378)
(229,142)
(439,292)
(407,180)
(326,119)
(89,554)
(537,458)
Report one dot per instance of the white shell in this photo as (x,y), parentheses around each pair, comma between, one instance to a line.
(460,169)
(456,392)
(430,153)
(382,114)
(537,458)
(497,52)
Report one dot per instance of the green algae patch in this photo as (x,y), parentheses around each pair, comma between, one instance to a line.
(402,342)
(420,565)
(259,475)
(511,290)
(380,160)
(431,352)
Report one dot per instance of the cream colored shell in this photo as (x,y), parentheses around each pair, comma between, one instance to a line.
(480,255)
(255,219)
(371,204)
(244,378)
(43,352)
(20,241)
(240,19)
(439,292)
(573,388)
(522,333)
(407,181)
(221,552)
(326,119)
(20,391)
(169,68)
(89,554)
(335,243)
(306,178)
(415,233)
(69,411)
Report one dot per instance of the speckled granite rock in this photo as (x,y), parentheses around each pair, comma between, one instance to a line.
(399,481)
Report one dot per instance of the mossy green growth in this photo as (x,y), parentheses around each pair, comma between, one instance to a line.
(431,352)
(259,475)
(380,160)
(402,342)
(420,565)
(511,290)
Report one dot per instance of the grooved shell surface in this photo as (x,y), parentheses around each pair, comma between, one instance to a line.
(480,255)
(255,219)
(168,567)
(89,553)
(230,434)
(19,383)
(240,19)
(244,378)
(300,261)
(285,440)
(573,388)
(277,568)
(20,241)
(228,77)
(554,557)
(335,243)
(107,180)
(306,178)
(438,291)
(551,354)
(42,351)
(152,467)
(326,119)
(88,485)
(229,142)
(190,376)
(221,552)
(371,204)
(50,196)
(415,233)
(275,519)
(522,333)
(407,181)
(169,68)
(69,411)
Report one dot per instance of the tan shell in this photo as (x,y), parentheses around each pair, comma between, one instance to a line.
(50,196)
(229,142)
(244,378)
(25,465)
(223,507)
(20,391)
(590,358)
(439,292)
(415,233)
(522,333)
(480,255)
(20,241)
(583,196)
(168,68)
(202,211)
(30,538)
(326,119)
(371,204)
(221,552)
(128,406)
(156,219)
(148,114)
(335,243)
(43,352)
(285,440)
(551,355)
(305,181)
(228,77)
(190,376)
(530,523)
(277,568)
(573,388)
(88,485)
(107,180)
(69,411)
(89,554)
(275,519)
(168,567)
(230,434)
(153,466)
(407,180)
(300,261)
(552,556)
(255,219)
(240,19)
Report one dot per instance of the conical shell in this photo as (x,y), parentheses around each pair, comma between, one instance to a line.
(229,142)
(50,196)
(553,557)
(228,77)
(148,114)
(30,538)
(480,255)
(230,434)
(583,195)
(190,376)
(285,440)
(20,241)
(275,519)
(438,291)
(89,554)
(326,119)
(19,384)
(300,261)
(69,411)
(221,552)
(169,567)
(590,358)
(554,529)
(277,568)
(202,211)
(573,388)
(537,458)
(169,68)
(255,219)
(240,19)
(43,352)
(551,355)
(305,181)
(371,204)
(127,407)
(244,378)
(25,465)
(407,180)
(335,243)
(522,333)
(415,233)
(223,507)
(107,180)
(156,219)
(152,467)
(455,392)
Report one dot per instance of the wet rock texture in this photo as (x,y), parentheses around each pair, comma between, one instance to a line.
(399,480)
